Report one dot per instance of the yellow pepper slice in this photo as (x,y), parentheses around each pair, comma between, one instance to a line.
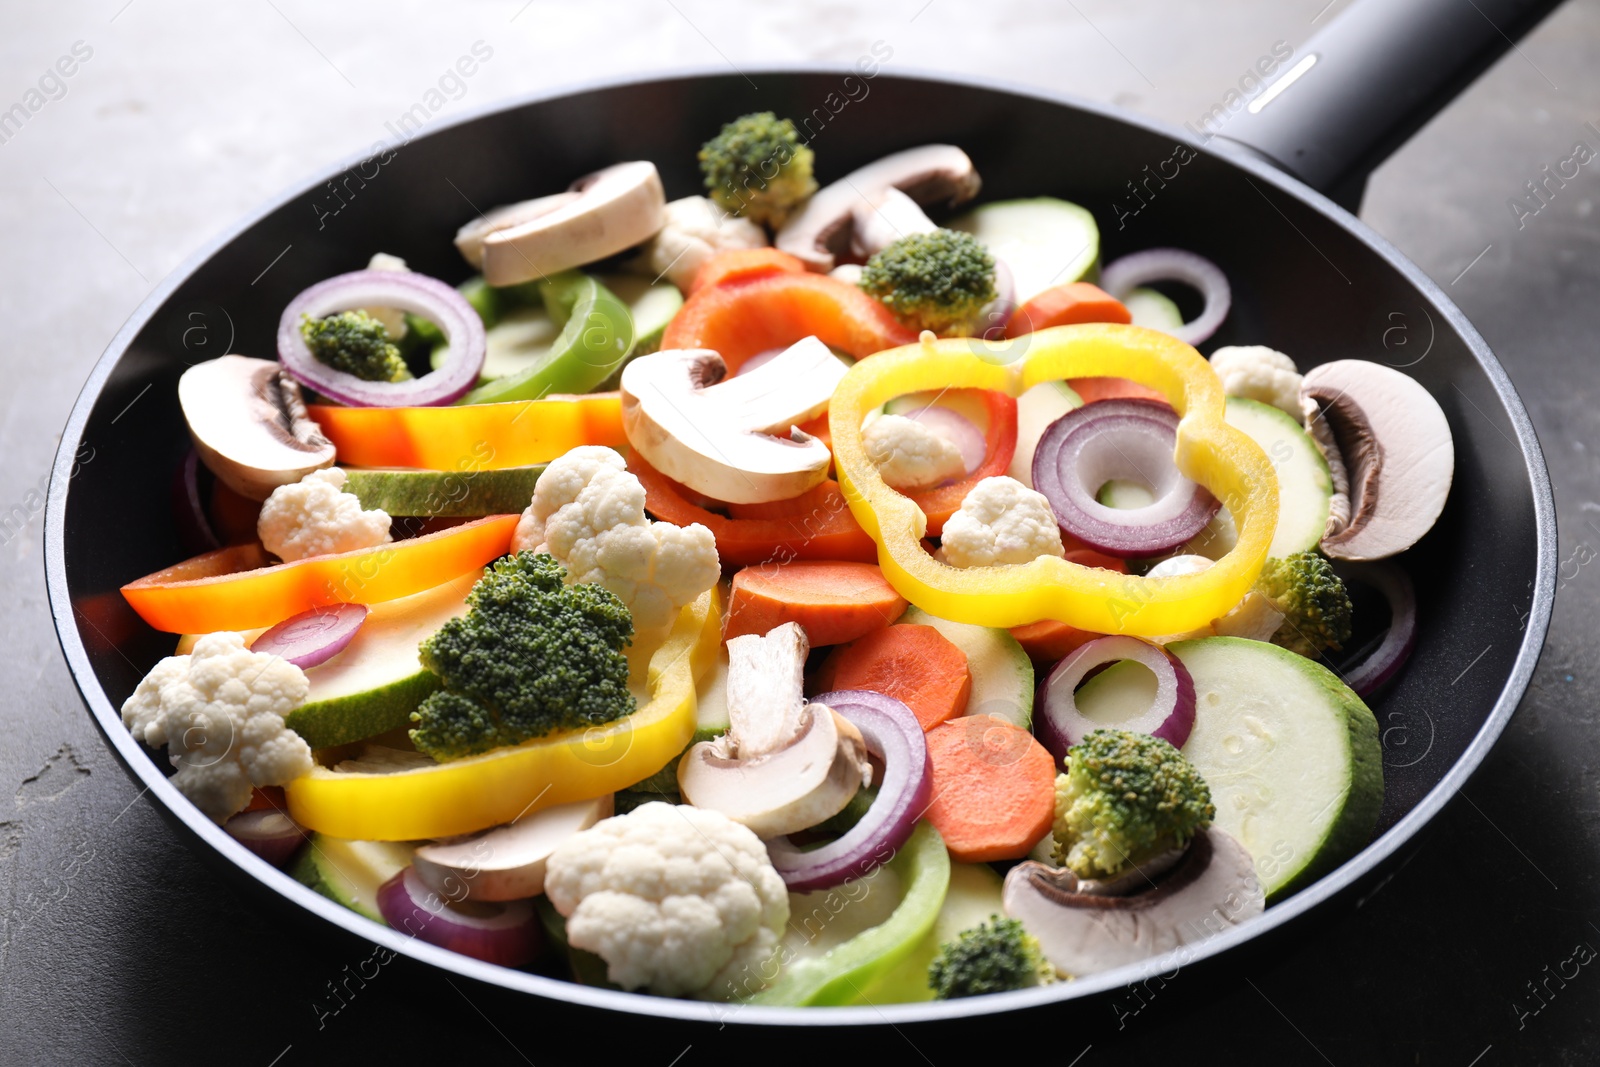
(1211,452)
(471,794)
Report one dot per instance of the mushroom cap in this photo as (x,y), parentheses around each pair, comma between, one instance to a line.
(1397,450)
(250,426)
(506,862)
(1212,888)
(824,229)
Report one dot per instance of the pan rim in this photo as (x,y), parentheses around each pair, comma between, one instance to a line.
(138,763)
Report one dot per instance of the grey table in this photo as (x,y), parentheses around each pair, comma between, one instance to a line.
(118,946)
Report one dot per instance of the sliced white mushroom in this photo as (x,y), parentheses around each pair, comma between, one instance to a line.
(604,213)
(824,229)
(1397,449)
(505,862)
(249,424)
(1322,436)
(883,221)
(469,238)
(734,440)
(1211,889)
(784,765)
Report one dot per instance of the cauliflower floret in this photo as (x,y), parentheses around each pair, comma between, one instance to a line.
(1000,521)
(393,319)
(695,230)
(1257,372)
(219,711)
(315,516)
(910,454)
(677,899)
(588,512)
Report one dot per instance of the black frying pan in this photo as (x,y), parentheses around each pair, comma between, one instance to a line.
(1308,278)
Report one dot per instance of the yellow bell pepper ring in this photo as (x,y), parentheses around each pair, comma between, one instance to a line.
(1209,451)
(466,795)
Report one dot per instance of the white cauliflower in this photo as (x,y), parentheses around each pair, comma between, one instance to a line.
(219,711)
(1000,521)
(315,516)
(1257,372)
(676,899)
(393,319)
(695,230)
(588,512)
(910,454)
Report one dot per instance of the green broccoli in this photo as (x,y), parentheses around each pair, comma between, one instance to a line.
(1125,799)
(356,343)
(993,957)
(531,656)
(758,167)
(1315,604)
(937,281)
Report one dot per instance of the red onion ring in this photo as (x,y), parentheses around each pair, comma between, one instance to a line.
(189,508)
(428,297)
(504,933)
(1123,438)
(957,429)
(270,834)
(1061,725)
(313,637)
(996,314)
(1174,264)
(892,734)
(1378,669)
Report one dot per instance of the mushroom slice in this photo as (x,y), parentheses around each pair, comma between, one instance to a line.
(824,229)
(250,426)
(606,212)
(469,239)
(1212,888)
(1322,435)
(880,223)
(733,440)
(505,862)
(784,765)
(1397,449)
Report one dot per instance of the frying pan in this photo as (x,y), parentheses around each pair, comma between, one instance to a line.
(1259,199)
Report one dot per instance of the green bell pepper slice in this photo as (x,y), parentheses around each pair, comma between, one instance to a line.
(596,336)
(843,974)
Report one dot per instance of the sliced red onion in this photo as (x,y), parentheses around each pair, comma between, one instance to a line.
(189,508)
(893,735)
(957,429)
(270,834)
(1174,265)
(419,294)
(504,933)
(1376,670)
(997,312)
(314,636)
(1127,439)
(1061,725)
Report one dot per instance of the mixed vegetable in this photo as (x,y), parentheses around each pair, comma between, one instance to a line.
(779,596)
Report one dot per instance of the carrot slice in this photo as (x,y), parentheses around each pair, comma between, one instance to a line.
(1062,305)
(1092,389)
(823,530)
(993,788)
(917,665)
(775,311)
(742,264)
(833,602)
(1049,641)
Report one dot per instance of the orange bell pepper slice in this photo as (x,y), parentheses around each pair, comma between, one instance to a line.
(761,313)
(742,264)
(472,436)
(817,524)
(239,588)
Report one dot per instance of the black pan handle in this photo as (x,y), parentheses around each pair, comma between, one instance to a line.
(1361,86)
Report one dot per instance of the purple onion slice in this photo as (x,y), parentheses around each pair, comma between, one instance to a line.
(1378,669)
(313,637)
(1060,724)
(1174,265)
(268,833)
(504,933)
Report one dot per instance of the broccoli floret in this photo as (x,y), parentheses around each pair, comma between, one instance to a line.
(1315,604)
(993,957)
(937,281)
(758,167)
(1126,798)
(356,343)
(531,656)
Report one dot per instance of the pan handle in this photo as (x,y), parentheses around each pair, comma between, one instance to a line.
(1361,86)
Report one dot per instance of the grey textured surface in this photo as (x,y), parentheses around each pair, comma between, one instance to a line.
(118,945)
